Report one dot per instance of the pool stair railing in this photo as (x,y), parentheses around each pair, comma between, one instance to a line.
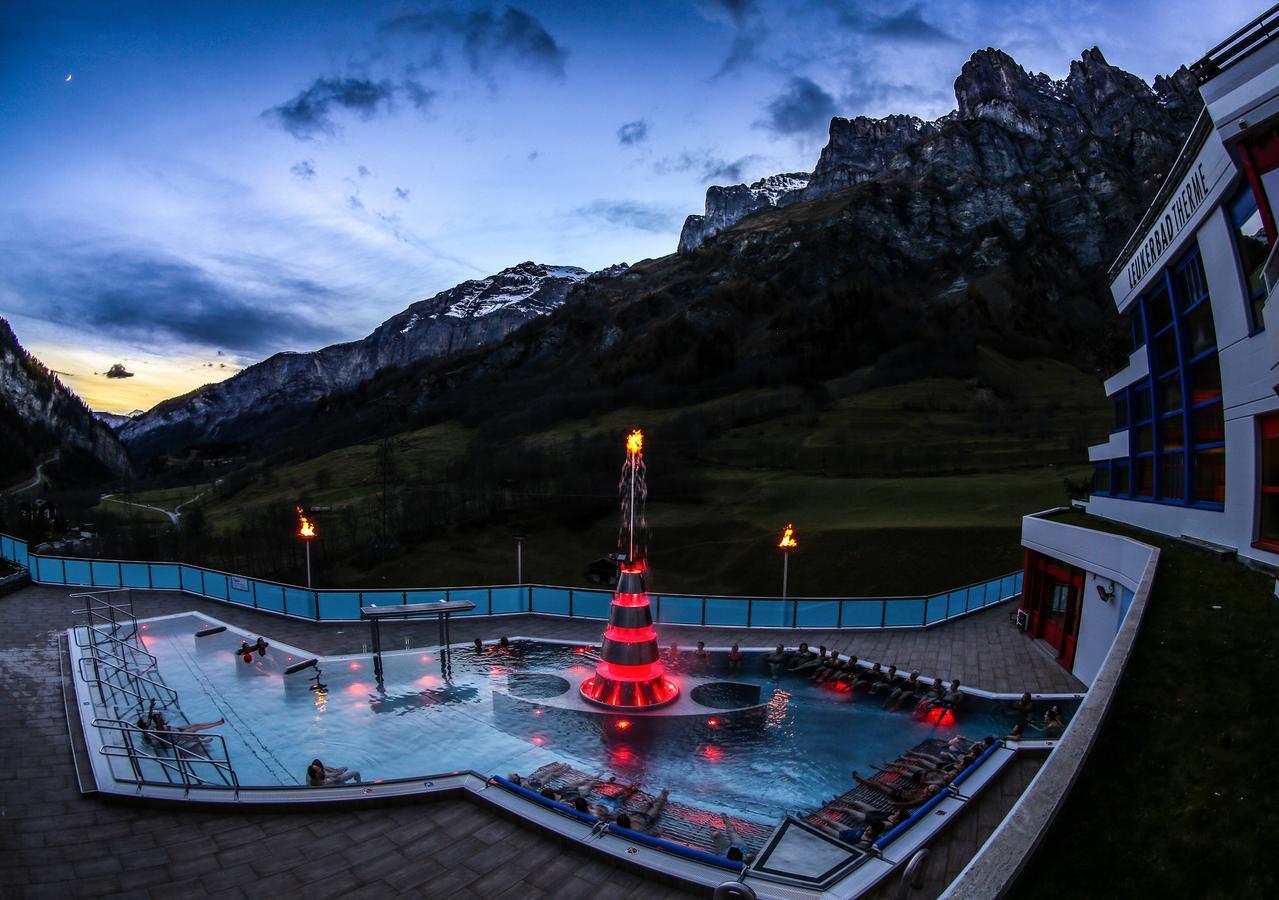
(167,753)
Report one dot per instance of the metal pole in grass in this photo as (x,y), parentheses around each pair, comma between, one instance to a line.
(519,559)
(787,543)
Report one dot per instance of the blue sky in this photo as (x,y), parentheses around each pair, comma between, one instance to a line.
(191,187)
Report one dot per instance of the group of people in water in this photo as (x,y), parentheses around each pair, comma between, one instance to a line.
(157,731)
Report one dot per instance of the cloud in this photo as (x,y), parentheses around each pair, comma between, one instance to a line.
(746,21)
(907,26)
(310,112)
(802,108)
(354,202)
(120,290)
(533,155)
(488,38)
(421,97)
(401,193)
(363,171)
(630,214)
(304,169)
(708,166)
(118,370)
(633,133)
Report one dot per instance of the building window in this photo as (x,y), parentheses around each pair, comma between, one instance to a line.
(1145,476)
(1119,478)
(1138,332)
(1101,478)
(1172,476)
(1253,248)
(1269,499)
(1210,475)
(1121,410)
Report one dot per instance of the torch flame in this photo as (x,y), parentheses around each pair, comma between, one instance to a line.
(788,541)
(306,528)
(635,441)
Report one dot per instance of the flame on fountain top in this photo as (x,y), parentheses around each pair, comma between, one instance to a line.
(635,442)
(788,541)
(306,528)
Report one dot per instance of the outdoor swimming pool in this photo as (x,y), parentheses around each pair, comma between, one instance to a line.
(798,751)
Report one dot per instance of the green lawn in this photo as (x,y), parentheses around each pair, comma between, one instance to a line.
(1178,799)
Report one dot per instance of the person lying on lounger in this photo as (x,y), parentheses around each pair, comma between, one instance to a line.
(570,793)
(729,845)
(646,818)
(901,797)
(536,784)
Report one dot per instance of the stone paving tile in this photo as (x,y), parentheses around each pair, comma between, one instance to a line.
(57,844)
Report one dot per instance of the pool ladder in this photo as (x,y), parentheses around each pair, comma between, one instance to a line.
(179,764)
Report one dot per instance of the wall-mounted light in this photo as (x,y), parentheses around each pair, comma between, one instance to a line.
(1107,596)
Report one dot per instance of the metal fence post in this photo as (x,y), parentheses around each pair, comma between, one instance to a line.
(253,585)
(490,600)
(883,613)
(570,601)
(750,603)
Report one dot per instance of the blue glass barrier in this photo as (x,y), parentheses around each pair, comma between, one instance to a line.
(105,573)
(727,611)
(240,590)
(382,598)
(478,596)
(817,613)
(771,613)
(215,585)
(553,601)
(904,611)
(192,580)
(299,602)
(862,613)
(425,596)
(270,596)
(339,605)
(591,604)
(166,576)
(135,575)
(77,571)
(510,600)
(936,609)
(679,610)
(48,570)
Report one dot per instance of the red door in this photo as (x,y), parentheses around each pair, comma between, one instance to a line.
(1054,599)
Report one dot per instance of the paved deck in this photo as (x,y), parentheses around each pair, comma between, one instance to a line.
(54,843)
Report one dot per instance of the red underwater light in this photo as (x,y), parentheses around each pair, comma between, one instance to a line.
(622,724)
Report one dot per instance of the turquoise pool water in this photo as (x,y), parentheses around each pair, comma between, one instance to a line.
(797,753)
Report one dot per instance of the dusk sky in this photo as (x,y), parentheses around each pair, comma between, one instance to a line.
(192,187)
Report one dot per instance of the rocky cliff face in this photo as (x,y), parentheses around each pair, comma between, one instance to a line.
(470,315)
(1018,145)
(40,415)
(726,205)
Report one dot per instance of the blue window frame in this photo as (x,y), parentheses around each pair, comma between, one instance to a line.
(1176,439)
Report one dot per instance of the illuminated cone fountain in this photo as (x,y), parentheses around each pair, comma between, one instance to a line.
(630,674)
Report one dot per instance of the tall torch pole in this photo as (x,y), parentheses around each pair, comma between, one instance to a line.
(634,444)
(306,531)
(787,543)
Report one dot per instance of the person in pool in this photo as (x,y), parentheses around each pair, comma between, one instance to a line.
(1053,724)
(812,664)
(850,672)
(674,653)
(908,691)
(828,669)
(735,659)
(799,657)
(729,845)
(605,808)
(930,696)
(1021,708)
(867,679)
(902,797)
(775,660)
(952,699)
(478,645)
(890,682)
(646,819)
(318,774)
(701,659)
(260,646)
(858,835)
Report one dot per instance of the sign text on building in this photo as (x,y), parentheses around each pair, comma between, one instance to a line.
(1176,214)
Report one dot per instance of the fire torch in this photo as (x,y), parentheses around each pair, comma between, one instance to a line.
(787,543)
(306,531)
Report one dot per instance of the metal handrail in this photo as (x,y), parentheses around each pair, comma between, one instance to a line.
(93,612)
(96,648)
(130,675)
(183,759)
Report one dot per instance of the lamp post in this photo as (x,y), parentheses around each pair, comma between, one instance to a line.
(519,559)
(787,544)
(306,531)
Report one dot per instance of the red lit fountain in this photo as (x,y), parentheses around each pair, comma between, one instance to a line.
(630,674)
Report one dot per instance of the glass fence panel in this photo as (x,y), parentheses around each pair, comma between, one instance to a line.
(339,605)
(382,598)
(681,610)
(215,585)
(861,613)
(165,576)
(1008,586)
(20,554)
(299,602)
(771,613)
(239,590)
(592,604)
(1018,578)
(105,573)
(817,613)
(48,570)
(478,596)
(992,593)
(510,600)
(78,571)
(425,596)
(725,611)
(270,596)
(135,575)
(936,609)
(553,601)
(8,548)
(904,611)
(191,580)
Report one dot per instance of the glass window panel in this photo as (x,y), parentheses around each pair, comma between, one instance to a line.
(1143,438)
(1121,411)
(590,604)
(1250,238)
(1158,311)
(1174,433)
(1269,460)
(1101,479)
(1205,380)
(1198,330)
(1209,426)
(1170,394)
(1119,479)
(775,613)
(865,613)
(1166,351)
(1210,475)
(1146,476)
(1270,516)
(936,611)
(1190,283)
(681,610)
(339,605)
(1172,476)
(1138,334)
(1141,403)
